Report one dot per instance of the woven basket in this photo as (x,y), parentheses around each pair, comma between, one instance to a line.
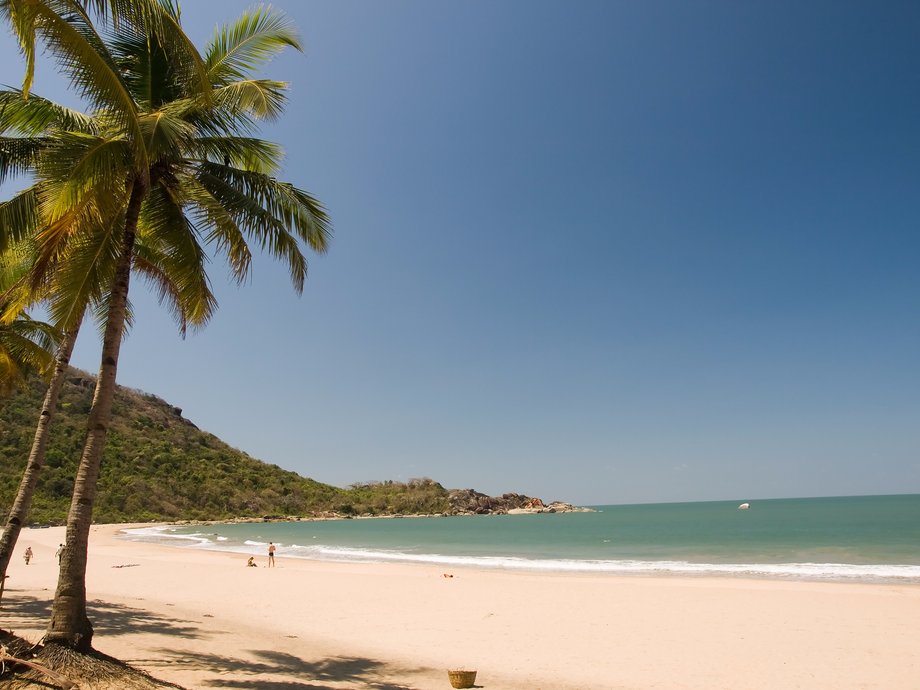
(462,679)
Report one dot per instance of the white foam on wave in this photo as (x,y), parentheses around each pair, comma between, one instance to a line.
(165,533)
(830,571)
(798,571)
(147,531)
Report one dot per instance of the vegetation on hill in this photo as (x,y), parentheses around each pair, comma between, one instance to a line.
(159,466)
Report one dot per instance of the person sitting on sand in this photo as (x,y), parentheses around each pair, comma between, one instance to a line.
(251,563)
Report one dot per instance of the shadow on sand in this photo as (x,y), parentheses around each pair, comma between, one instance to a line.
(108,619)
(266,664)
(262,669)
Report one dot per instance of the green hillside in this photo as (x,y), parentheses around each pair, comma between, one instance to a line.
(159,466)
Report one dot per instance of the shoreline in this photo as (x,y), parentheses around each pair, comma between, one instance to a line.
(781,571)
(202,619)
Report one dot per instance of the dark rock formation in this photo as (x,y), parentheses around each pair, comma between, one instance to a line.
(470,502)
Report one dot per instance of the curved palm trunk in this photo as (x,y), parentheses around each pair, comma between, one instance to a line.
(70,626)
(20,509)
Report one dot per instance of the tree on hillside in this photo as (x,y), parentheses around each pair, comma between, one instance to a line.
(178,164)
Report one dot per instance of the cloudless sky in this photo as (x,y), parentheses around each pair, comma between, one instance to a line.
(603,252)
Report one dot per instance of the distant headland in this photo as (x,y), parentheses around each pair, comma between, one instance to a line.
(159,466)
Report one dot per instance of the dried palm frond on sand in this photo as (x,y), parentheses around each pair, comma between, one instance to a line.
(24,666)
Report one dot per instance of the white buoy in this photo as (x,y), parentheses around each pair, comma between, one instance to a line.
(744,506)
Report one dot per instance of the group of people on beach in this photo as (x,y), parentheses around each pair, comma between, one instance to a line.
(251,563)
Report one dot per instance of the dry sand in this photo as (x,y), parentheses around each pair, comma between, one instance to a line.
(204,620)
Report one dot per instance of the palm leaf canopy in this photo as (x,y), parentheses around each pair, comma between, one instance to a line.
(66,28)
(209,186)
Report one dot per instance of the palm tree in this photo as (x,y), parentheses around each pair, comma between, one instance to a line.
(36,124)
(176,165)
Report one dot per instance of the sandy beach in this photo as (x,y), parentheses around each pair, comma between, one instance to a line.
(204,620)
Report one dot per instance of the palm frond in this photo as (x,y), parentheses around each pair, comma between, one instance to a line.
(35,115)
(63,236)
(303,213)
(25,345)
(86,61)
(263,99)
(168,254)
(253,39)
(76,165)
(15,295)
(268,210)
(20,14)
(18,155)
(35,334)
(247,153)
(18,218)
(81,274)
(165,135)
(223,232)
(294,207)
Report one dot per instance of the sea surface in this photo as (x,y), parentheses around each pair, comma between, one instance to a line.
(857,538)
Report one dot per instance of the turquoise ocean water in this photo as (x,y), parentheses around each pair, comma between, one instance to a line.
(860,538)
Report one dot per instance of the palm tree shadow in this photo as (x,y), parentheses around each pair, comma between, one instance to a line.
(108,619)
(370,673)
(269,669)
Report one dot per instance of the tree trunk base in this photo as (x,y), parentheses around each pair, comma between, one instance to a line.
(86,670)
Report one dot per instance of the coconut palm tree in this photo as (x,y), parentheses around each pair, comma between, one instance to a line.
(35,125)
(179,166)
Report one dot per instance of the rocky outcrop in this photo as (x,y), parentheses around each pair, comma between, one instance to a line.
(470,502)
(82,382)
(554,507)
(177,411)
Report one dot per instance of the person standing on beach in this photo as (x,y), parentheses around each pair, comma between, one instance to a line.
(28,554)
(59,553)
(271,555)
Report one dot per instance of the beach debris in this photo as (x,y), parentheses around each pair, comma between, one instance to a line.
(127,565)
(65,683)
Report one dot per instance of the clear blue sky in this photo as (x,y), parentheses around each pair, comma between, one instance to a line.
(596,251)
